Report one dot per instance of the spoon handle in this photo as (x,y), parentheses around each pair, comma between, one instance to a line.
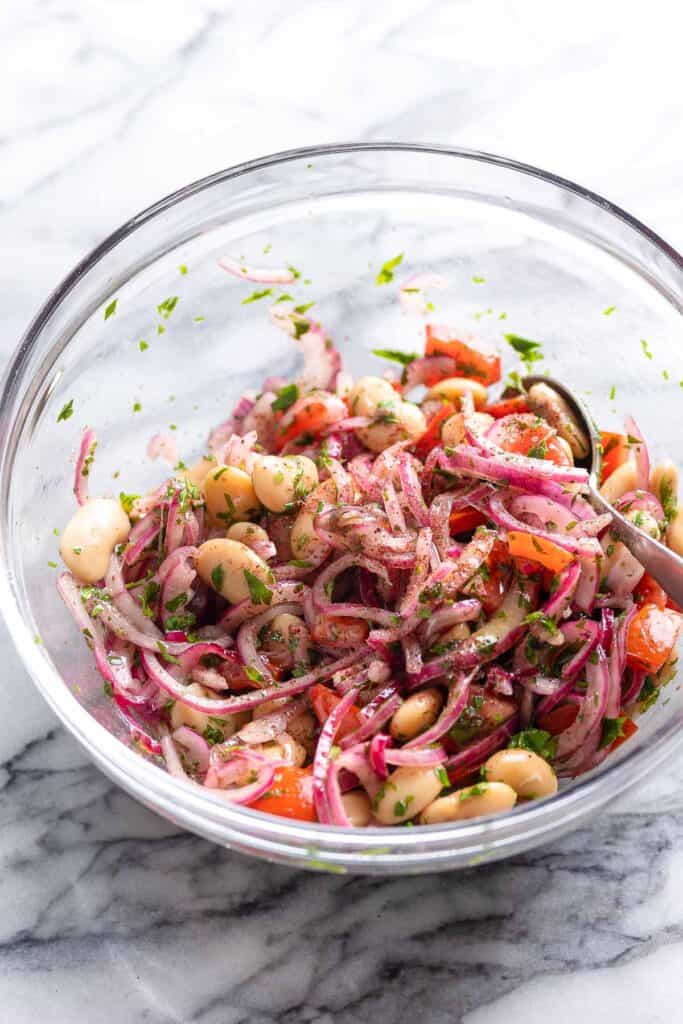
(659,561)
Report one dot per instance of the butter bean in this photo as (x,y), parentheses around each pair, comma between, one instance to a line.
(90,537)
(223,564)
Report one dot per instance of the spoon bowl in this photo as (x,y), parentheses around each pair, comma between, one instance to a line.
(664,565)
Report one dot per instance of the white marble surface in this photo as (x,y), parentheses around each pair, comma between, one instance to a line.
(106,913)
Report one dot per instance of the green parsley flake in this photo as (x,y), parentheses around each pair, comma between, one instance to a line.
(538,741)
(478,280)
(258,591)
(529,351)
(143,346)
(608,311)
(646,348)
(386,274)
(110,309)
(66,411)
(394,355)
(183,268)
(126,501)
(52,565)
(166,307)
(612,393)
(304,307)
(255,296)
(285,398)
(199,319)
(612,729)
(137,407)
(217,576)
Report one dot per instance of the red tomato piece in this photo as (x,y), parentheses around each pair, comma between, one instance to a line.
(538,549)
(559,719)
(507,407)
(309,421)
(472,360)
(290,796)
(324,702)
(465,520)
(649,591)
(527,434)
(490,583)
(615,452)
(483,713)
(651,637)
(432,435)
(340,631)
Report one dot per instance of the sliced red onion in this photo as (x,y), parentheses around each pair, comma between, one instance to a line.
(177,582)
(458,693)
(226,776)
(589,582)
(376,714)
(377,754)
(70,593)
(476,753)
(553,516)
(259,275)
(138,734)
(140,537)
(592,708)
(281,593)
(636,684)
(419,574)
(412,490)
(640,453)
(163,446)
(588,634)
(516,471)
(243,701)
(393,508)
(587,547)
(412,655)
(559,601)
(196,746)
(86,454)
(124,601)
(355,762)
(422,757)
(361,469)
(499,680)
(323,753)
(640,501)
(340,565)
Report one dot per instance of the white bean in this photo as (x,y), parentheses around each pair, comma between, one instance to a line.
(181,714)
(224,565)
(453,431)
(392,422)
(416,714)
(304,540)
(405,793)
(90,537)
(369,393)
(472,802)
(288,641)
(197,473)
(358,808)
(279,482)
(664,484)
(229,495)
(248,533)
(524,771)
(285,748)
(622,480)
(452,389)
(674,533)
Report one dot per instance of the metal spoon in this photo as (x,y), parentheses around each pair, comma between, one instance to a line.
(659,561)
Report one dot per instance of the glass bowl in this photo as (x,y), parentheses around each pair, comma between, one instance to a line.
(524,251)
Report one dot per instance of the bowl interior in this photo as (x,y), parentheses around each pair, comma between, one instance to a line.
(522,254)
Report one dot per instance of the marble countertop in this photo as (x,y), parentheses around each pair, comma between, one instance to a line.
(107,913)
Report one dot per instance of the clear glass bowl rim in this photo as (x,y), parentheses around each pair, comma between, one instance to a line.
(263,834)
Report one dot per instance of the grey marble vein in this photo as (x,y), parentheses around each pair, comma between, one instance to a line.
(107,913)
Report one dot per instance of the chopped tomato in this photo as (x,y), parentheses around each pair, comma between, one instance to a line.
(559,719)
(649,591)
(339,631)
(483,714)
(291,795)
(537,549)
(628,729)
(233,672)
(507,407)
(432,435)
(527,434)
(651,637)
(471,360)
(307,423)
(324,702)
(615,452)
(465,520)
(489,584)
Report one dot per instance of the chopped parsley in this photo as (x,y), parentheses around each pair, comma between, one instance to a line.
(476,279)
(110,309)
(608,311)
(66,411)
(213,735)
(646,348)
(394,355)
(183,268)
(536,740)
(612,729)
(164,652)
(304,307)
(478,789)
(217,576)
(255,296)
(258,591)
(52,565)
(401,806)
(137,407)
(386,274)
(286,397)
(612,393)
(253,674)
(166,307)
(542,620)
(142,345)
(176,602)
(649,694)
(301,327)
(529,351)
